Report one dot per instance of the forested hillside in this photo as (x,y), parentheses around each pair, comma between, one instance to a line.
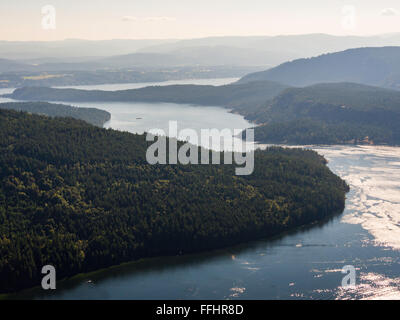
(331,114)
(309,131)
(80,198)
(371,66)
(93,116)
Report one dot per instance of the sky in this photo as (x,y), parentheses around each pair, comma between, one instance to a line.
(34,20)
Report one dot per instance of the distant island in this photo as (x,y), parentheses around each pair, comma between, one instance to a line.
(84,198)
(93,116)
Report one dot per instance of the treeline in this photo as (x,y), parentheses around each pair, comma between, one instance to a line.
(93,116)
(80,198)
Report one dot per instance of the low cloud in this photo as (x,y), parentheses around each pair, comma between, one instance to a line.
(389,12)
(148,19)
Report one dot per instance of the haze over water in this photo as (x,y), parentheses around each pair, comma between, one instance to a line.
(303,264)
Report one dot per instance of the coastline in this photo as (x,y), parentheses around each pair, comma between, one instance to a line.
(87,276)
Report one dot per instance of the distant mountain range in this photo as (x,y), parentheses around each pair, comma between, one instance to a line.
(73,48)
(370,66)
(193,56)
(199,55)
(298,46)
(75,54)
(7,65)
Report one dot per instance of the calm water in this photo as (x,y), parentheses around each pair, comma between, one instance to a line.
(126,86)
(139,117)
(305,264)
(142,117)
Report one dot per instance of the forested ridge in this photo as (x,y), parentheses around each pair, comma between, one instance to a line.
(93,116)
(377,66)
(81,198)
(334,113)
(309,131)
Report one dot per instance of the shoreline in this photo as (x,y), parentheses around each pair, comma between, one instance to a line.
(84,276)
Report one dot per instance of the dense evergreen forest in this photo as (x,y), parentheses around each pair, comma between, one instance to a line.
(333,113)
(81,198)
(309,131)
(93,116)
(71,74)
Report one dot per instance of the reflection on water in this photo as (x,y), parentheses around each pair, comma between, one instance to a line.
(375,177)
(373,173)
(372,286)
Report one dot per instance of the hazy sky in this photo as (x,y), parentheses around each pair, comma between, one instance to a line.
(134,19)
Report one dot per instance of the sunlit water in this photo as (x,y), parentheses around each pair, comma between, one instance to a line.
(304,264)
(126,86)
